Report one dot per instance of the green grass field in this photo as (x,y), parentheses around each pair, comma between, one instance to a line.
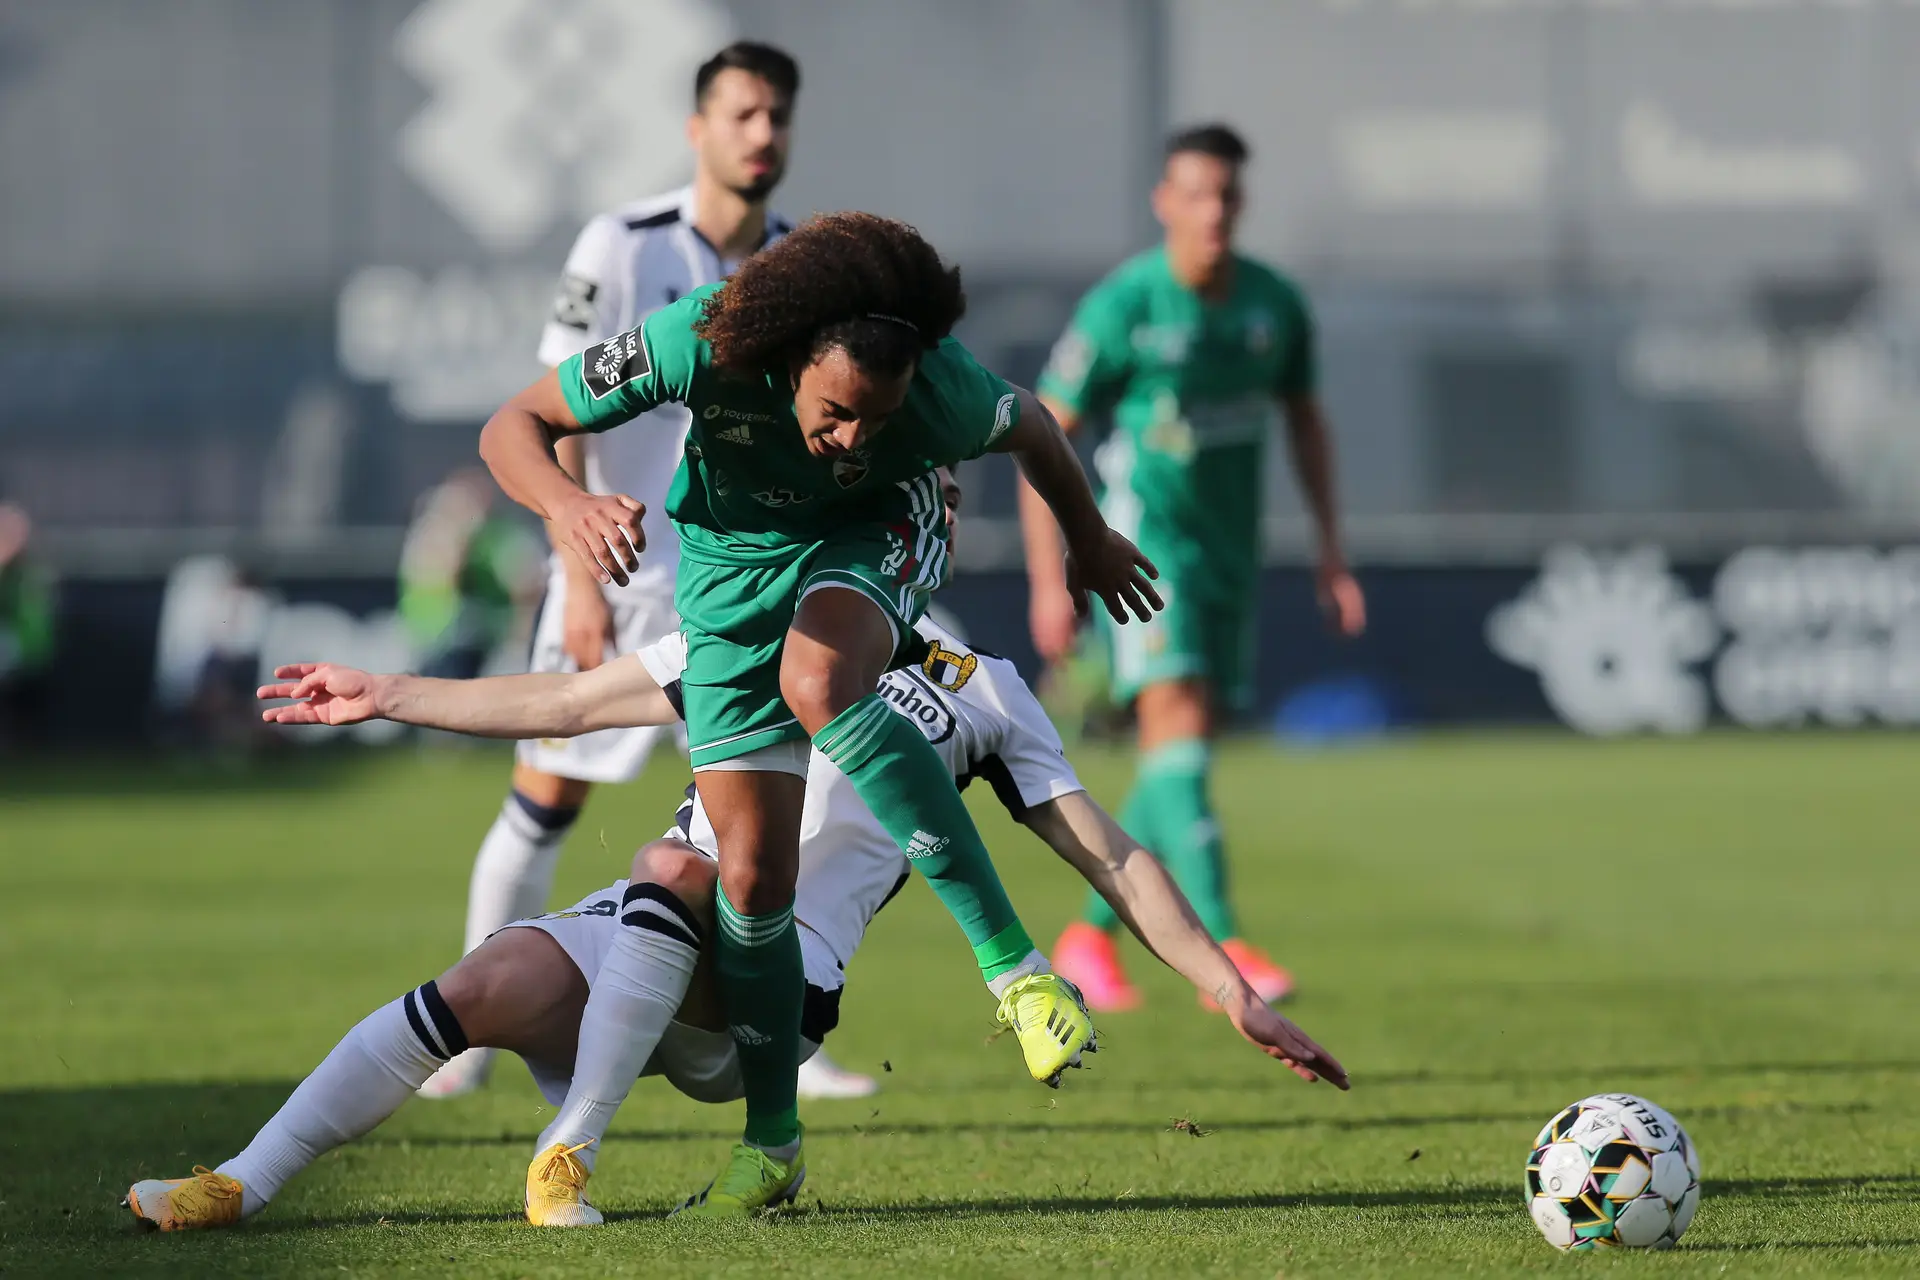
(1484,928)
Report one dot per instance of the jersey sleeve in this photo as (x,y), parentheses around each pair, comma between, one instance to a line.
(1028,764)
(588,303)
(649,365)
(1088,368)
(1300,363)
(971,406)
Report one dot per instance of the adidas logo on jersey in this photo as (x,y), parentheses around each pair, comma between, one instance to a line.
(747,1035)
(925,843)
(737,435)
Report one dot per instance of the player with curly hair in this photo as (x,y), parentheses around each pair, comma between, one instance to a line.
(824,391)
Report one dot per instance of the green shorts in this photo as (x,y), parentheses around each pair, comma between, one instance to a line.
(1199,635)
(735,618)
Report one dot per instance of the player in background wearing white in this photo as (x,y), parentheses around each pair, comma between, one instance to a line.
(596,996)
(626,264)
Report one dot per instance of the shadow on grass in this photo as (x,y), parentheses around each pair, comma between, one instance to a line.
(882,1128)
(1795,1246)
(111,1135)
(142,1124)
(208,1115)
(1469,1198)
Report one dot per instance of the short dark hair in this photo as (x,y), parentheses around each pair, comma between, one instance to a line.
(1221,141)
(868,285)
(775,66)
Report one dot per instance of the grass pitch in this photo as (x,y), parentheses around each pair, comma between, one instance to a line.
(1484,929)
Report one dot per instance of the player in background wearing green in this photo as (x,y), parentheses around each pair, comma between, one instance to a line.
(823,391)
(1190,348)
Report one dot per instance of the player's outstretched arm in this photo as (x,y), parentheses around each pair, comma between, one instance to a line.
(517,446)
(616,695)
(1158,914)
(1100,561)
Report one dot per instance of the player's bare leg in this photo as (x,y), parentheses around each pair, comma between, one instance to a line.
(519,991)
(835,653)
(512,877)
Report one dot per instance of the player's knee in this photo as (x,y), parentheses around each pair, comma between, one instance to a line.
(472,991)
(678,868)
(814,692)
(1172,709)
(550,789)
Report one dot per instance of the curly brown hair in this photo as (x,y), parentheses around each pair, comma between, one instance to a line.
(867,285)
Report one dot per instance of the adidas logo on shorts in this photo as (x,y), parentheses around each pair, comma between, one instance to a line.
(737,435)
(747,1035)
(925,843)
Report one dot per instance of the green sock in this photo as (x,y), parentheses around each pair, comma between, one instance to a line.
(903,781)
(1137,817)
(1189,834)
(762,986)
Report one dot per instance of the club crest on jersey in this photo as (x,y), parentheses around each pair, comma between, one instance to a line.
(849,469)
(612,364)
(948,669)
(1260,329)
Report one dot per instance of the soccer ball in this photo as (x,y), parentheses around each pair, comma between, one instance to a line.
(1612,1171)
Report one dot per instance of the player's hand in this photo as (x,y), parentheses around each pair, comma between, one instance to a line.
(322,694)
(1113,569)
(1340,596)
(586,625)
(1280,1039)
(1055,622)
(604,531)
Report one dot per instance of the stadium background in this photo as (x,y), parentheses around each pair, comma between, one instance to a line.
(1596,275)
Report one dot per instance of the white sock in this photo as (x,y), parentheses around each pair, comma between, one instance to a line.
(641,983)
(373,1069)
(1034,963)
(513,872)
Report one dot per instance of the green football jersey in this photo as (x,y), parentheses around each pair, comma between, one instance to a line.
(1192,387)
(748,491)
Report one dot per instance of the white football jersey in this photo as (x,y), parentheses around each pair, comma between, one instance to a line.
(978,714)
(627,264)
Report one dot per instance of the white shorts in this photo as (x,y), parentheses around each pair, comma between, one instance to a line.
(640,617)
(699,1063)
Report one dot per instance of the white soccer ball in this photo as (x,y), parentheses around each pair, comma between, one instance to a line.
(1612,1171)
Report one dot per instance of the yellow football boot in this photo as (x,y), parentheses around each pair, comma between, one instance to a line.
(753,1182)
(1050,1020)
(557,1189)
(207,1199)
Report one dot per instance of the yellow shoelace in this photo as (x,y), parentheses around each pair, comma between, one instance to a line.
(564,1166)
(1009,1011)
(196,1195)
